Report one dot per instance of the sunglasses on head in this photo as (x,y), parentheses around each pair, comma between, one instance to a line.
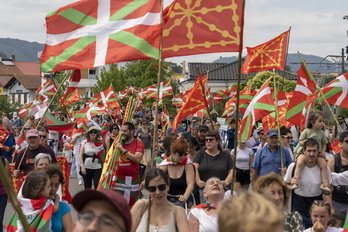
(93,132)
(209,139)
(43,136)
(160,187)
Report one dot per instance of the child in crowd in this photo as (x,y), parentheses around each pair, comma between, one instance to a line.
(36,206)
(67,153)
(320,214)
(314,130)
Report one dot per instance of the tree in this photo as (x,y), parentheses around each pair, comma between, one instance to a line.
(7,107)
(260,78)
(140,73)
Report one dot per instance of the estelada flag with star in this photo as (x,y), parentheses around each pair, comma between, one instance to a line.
(267,56)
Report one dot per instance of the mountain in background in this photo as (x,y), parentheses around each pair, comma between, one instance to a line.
(28,51)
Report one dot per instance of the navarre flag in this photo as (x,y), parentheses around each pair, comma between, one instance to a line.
(305,87)
(165,89)
(336,91)
(73,97)
(91,33)
(261,105)
(195,101)
(267,56)
(45,91)
(74,81)
(197,27)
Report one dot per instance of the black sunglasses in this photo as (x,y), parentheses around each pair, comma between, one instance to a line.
(93,132)
(26,128)
(346,141)
(115,128)
(288,137)
(43,136)
(160,187)
(209,140)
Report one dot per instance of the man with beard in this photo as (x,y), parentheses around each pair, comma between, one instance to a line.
(132,151)
(337,132)
(202,130)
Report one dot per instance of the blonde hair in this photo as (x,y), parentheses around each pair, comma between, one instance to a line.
(249,212)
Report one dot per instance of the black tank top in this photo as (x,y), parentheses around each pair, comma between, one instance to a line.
(178,186)
(340,193)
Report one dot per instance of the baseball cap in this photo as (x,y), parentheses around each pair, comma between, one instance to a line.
(114,198)
(272,132)
(203,127)
(15,114)
(32,133)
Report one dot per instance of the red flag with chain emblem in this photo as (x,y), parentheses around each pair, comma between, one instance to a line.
(197,27)
(267,56)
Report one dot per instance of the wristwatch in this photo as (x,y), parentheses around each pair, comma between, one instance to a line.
(125,152)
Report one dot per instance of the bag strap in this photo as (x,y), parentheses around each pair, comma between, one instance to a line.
(337,158)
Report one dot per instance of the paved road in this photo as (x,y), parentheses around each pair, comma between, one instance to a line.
(73,188)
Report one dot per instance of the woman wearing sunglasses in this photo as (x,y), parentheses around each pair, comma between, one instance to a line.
(212,161)
(164,216)
(90,157)
(21,143)
(180,171)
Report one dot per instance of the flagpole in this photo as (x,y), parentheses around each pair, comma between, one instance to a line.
(237,103)
(278,123)
(328,104)
(205,96)
(155,131)
(60,97)
(13,196)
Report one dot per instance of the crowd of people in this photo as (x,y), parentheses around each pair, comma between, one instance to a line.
(292,177)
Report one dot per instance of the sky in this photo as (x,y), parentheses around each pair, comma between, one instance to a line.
(317,26)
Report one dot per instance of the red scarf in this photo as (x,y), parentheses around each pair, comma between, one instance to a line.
(169,161)
(208,206)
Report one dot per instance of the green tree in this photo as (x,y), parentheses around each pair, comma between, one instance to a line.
(260,78)
(7,107)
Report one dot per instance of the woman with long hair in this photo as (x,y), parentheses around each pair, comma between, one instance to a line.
(157,213)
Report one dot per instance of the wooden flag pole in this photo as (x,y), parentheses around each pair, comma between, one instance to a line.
(13,196)
(278,123)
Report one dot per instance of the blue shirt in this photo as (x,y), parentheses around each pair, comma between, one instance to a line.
(57,218)
(266,161)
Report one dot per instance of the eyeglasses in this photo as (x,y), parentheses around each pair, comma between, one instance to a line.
(93,132)
(144,123)
(287,137)
(115,128)
(105,222)
(26,128)
(346,141)
(160,187)
(43,136)
(209,140)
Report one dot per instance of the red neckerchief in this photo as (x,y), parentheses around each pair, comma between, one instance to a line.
(99,146)
(172,162)
(208,206)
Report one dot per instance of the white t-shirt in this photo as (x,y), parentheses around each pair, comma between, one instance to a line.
(329,229)
(207,223)
(243,158)
(310,180)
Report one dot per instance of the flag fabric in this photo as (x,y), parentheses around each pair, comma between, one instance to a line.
(131,89)
(38,213)
(226,93)
(261,105)
(197,27)
(245,96)
(91,33)
(54,124)
(45,91)
(165,89)
(165,117)
(107,97)
(267,56)
(345,226)
(83,116)
(336,91)
(305,87)
(70,94)
(72,98)
(25,111)
(195,101)
(65,168)
(121,94)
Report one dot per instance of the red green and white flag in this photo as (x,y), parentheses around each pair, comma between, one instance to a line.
(226,93)
(165,117)
(336,91)
(91,33)
(345,226)
(141,93)
(25,111)
(83,116)
(38,213)
(164,90)
(245,97)
(121,94)
(305,87)
(55,124)
(107,97)
(131,89)
(74,81)
(45,91)
(177,101)
(261,105)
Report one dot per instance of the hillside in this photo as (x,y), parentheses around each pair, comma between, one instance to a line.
(28,51)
